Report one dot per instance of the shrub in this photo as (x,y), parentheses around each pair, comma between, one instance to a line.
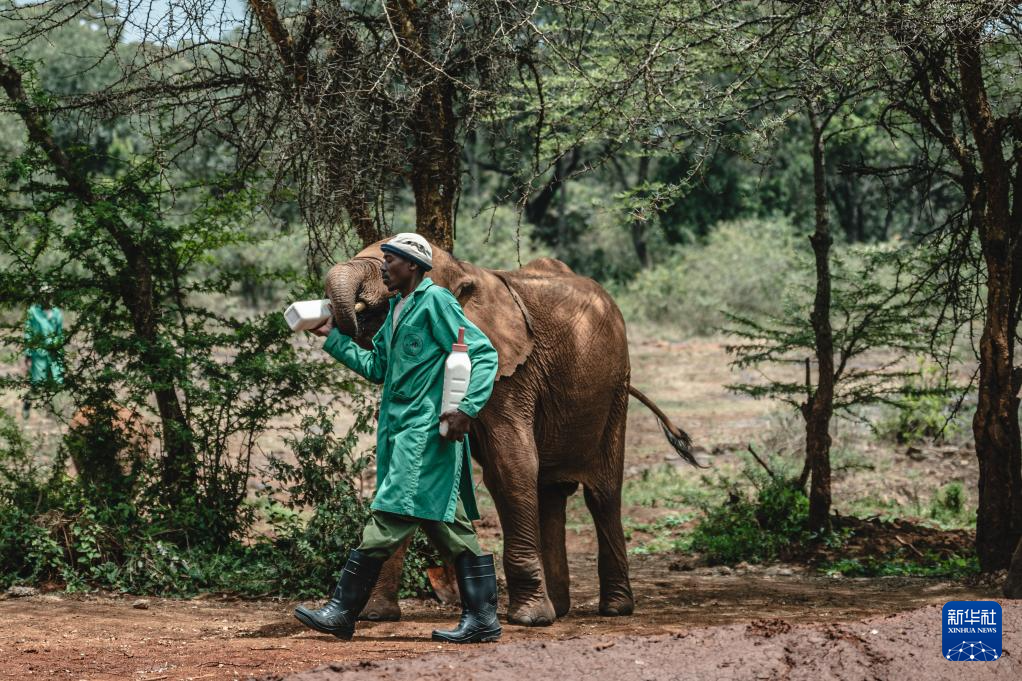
(948,506)
(771,525)
(926,410)
(741,267)
(58,530)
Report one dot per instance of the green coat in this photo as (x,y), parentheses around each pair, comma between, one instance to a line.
(43,339)
(418,472)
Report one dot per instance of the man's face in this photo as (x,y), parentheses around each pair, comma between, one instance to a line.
(396,271)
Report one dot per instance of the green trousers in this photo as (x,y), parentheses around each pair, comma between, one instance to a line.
(386,532)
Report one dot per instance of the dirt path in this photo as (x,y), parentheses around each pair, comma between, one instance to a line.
(101,638)
(902,646)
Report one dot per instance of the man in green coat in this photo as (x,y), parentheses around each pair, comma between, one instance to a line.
(423,479)
(44,335)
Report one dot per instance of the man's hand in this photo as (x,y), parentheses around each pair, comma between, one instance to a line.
(28,365)
(324,330)
(458,423)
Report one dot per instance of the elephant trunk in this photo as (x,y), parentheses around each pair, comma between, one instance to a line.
(343,282)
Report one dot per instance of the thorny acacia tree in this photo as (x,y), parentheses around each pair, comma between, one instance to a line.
(133,279)
(790,62)
(377,96)
(347,103)
(133,250)
(949,70)
(945,75)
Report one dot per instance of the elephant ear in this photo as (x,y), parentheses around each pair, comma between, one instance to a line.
(492,305)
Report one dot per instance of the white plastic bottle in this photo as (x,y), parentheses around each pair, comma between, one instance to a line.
(307,314)
(457,371)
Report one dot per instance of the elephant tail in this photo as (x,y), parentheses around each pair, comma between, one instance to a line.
(678,438)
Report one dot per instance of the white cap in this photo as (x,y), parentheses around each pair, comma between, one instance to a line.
(411,246)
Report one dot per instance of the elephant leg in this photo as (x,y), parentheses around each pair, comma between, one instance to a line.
(552,501)
(383,605)
(615,589)
(512,477)
(603,498)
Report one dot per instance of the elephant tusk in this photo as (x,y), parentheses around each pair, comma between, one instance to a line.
(360,306)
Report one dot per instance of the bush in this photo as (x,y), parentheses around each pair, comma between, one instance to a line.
(325,477)
(948,507)
(55,529)
(742,267)
(772,525)
(926,412)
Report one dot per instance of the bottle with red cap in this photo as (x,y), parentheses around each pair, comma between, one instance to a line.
(457,371)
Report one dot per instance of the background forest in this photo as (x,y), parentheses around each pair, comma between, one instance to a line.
(832,188)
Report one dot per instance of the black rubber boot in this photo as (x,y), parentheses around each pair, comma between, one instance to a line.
(339,614)
(477,581)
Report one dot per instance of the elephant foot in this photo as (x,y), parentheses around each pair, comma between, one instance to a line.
(534,613)
(561,603)
(617,607)
(381,610)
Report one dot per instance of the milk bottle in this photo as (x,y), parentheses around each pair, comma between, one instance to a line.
(456,374)
(306,315)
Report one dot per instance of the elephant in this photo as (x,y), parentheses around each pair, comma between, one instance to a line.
(555,420)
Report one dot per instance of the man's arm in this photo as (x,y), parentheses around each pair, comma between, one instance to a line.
(29,334)
(372,364)
(446,320)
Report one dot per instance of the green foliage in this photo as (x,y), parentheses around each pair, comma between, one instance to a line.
(771,524)
(140,285)
(872,312)
(927,409)
(949,508)
(738,269)
(54,529)
(666,534)
(57,530)
(903,565)
(325,476)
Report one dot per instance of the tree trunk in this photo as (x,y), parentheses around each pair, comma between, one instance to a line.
(435,157)
(995,426)
(639,226)
(435,166)
(362,220)
(820,405)
(1013,584)
(180,472)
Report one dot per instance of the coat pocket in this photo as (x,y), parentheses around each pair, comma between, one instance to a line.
(411,345)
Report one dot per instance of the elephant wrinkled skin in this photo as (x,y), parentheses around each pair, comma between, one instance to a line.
(556,418)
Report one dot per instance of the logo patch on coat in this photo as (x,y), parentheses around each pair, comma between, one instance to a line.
(412,345)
